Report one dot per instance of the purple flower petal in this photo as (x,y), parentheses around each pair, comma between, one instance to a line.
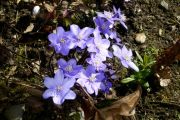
(70,95)
(65,51)
(58,100)
(52,38)
(68,83)
(117,51)
(49,82)
(72,62)
(89,88)
(48,93)
(62,63)
(124,63)
(133,66)
(85,32)
(59,77)
(75,29)
(60,31)
(90,69)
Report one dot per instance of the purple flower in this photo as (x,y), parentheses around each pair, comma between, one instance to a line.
(80,36)
(96,60)
(69,68)
(114,36)
(59,88)
(106,87)
(60,42)
(103,25)
(107,15)
(91,80)
(125,56)
(119,17)
(112,73)
(99,45)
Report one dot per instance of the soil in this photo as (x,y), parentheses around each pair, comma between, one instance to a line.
(26,57)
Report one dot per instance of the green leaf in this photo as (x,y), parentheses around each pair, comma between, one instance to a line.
(139,57)
(67,22)
(129,79)
(151,63)
(146,85)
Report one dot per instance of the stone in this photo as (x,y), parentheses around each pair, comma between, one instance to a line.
(164,4)
(140,38)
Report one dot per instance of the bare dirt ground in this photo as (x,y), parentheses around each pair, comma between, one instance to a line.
(26,56)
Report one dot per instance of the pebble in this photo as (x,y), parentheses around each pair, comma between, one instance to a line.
(36,10)
(164,4)
(160,32)
(140,37)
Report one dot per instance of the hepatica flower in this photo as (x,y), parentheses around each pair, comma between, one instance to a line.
(115,37)
(106,87)
(99,45)
(96,60)
(125,56)
(69,68)
(118,16)
(80,36)
(59,88)
(91,80)
(103,25)
(60,42)
(107,15)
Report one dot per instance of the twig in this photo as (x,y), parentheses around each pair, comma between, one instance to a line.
(50,67)
(82,59)
(172,104)
(22,57)
(87,95)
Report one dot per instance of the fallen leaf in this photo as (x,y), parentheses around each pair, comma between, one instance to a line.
(161,68)
(23,23)
(123,107)
(48,7)
(29,28)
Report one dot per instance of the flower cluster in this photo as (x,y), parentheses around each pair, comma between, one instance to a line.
(97,42)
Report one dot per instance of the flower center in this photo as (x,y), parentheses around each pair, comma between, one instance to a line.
(109,15)
(62,40)
(79,37)
(93,77)
(103,27)
(69,68)
(59,88)
(127,58)
(96,62)
(99,46)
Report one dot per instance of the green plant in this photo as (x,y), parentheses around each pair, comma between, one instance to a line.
(144,63)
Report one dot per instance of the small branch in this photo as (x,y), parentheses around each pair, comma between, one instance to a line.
(171,104)
(22,57)
(50,67)
(83,58)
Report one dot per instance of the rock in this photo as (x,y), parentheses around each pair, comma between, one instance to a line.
(15,112)
(160,32)
(164,4)
(36,10)
(140,37)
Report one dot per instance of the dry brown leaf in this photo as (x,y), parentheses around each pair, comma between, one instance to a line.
(161,68)
(1,40)
(123,107)
(29,28)
(49,8)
